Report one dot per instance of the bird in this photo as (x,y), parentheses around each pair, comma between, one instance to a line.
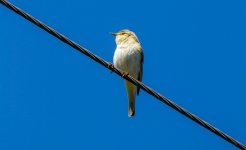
(128,57)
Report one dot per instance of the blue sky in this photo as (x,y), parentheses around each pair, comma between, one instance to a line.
(53,97)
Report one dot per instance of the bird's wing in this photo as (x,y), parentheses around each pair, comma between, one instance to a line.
(140,74)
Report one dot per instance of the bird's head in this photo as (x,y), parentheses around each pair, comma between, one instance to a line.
(124,36)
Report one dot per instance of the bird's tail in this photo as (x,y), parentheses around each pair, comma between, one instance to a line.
(131,92)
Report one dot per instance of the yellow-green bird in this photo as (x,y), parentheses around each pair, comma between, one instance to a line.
(128,57)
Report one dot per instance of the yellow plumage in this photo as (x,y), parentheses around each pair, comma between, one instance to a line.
(128,57)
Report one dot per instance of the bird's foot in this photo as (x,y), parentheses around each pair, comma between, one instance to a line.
(110,66)
(124,74)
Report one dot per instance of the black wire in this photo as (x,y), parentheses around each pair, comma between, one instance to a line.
(129,78)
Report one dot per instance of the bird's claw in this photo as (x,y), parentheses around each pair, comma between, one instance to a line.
(124,74)
(110,66)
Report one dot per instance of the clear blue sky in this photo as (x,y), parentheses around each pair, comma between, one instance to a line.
(53,97)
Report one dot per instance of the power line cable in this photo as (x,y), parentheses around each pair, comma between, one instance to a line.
(128,77)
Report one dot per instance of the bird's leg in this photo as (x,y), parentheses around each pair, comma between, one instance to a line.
(124,74)
(110,66)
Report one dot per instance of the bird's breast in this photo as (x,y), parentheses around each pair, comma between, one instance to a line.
(127,59)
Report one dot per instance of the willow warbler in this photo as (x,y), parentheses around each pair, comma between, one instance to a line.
(128,57)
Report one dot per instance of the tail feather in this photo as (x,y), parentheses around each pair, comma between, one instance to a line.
(131,92)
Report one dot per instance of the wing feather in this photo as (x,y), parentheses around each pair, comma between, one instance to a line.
(140,74)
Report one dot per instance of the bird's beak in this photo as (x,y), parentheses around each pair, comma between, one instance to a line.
(114,34)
